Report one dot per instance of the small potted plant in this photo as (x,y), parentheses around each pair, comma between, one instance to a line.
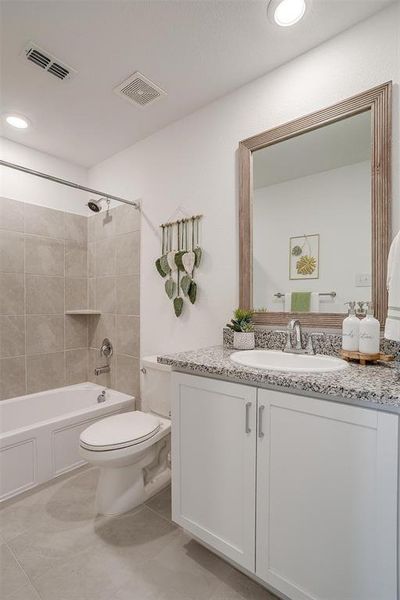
(243,330)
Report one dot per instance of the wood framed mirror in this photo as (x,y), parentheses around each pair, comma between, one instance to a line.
(315,213)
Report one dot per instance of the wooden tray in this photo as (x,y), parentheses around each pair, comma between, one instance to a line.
(364,359)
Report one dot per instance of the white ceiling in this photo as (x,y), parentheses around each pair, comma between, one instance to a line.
(197,50)
(339,144)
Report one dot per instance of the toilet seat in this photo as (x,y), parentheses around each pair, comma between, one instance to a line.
(120,431)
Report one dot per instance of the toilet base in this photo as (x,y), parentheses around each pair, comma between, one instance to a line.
(123,488)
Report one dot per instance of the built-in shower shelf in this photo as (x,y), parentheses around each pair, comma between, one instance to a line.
(83,311)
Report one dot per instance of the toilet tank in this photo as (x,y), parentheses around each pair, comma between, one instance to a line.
(155,387)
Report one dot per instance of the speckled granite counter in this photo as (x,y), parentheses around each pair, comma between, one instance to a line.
(373,386)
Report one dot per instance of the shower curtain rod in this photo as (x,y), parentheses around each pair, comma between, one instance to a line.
(68,183)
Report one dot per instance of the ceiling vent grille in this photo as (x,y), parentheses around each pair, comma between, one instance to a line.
(139,90)
(43,59)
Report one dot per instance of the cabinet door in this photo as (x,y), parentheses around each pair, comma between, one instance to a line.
(214,463)
(326,499)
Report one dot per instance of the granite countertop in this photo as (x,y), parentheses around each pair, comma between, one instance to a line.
(374,386)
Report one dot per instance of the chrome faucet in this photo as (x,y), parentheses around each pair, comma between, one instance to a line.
(294,329)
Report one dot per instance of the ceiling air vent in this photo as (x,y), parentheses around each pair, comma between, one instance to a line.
(139,90)
(46,61)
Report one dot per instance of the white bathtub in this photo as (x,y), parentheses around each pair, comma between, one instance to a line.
(39,433)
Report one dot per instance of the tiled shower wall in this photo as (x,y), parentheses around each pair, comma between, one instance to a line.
(44,269)
(113,270)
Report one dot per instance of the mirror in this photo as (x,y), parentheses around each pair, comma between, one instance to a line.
(311,225)
(315,213)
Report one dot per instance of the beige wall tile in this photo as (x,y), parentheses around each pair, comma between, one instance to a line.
(127,338)
(76,331)
(76,228)
(105,294)
(75,259)
(44,256)
(92,292)
(44,295)
(44,334)
(12,336)
(105,257)
(12,377)
(11,252)
(12,300)
(45,371)
(91,228)
(44,221)
(105,224)
(127,374)
(75,293)
(91,259)
(11,214)
(76,366)
(127,295)
(127,219)
(127,253)
(100,327)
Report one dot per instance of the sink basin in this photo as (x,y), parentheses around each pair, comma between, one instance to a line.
(274,360)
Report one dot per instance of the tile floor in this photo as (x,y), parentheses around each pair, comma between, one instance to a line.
(53,547)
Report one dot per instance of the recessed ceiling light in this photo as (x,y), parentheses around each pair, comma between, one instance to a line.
(286,12)
(17,121)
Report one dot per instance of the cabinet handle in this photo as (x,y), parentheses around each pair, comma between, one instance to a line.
(247,427)
(260,420)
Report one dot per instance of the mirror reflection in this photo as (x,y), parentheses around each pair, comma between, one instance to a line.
(312,219)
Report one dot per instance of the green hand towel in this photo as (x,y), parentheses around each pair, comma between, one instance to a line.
(300,302)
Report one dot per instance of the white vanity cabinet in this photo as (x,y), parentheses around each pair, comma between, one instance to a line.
(214,464)
(326,499)
(301,492)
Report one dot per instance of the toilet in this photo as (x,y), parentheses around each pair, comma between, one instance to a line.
(132,449)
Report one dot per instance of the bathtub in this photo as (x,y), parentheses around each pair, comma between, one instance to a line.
(39,433)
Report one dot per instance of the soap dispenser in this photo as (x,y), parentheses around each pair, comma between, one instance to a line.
(369,332)
(351,329)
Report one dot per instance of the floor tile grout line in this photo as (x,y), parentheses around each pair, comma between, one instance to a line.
(14,555)
(161,515)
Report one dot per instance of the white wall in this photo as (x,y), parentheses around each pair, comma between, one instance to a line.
(193,163)
(337,205)
(34,190)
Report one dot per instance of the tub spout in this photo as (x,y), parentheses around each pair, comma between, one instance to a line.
(101,370)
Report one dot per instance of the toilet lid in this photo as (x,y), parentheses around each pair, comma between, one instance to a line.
(120,431)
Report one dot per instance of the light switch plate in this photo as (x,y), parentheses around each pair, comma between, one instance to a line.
(363,280)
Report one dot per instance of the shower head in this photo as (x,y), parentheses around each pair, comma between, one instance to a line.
(95,205)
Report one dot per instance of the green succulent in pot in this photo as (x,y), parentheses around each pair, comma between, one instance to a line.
(242,321)
(243,330)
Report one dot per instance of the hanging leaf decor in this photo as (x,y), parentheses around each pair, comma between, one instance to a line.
(193,292)
(178,259)
(159,267)
(178,306)
(188,260)
(197,253)
(171,260)
(185,284)
(170,287)
(180,256)
(164,264)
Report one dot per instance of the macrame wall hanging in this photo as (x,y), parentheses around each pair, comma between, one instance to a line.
(180,257)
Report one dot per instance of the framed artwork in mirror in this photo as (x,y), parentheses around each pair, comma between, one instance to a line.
(304,257)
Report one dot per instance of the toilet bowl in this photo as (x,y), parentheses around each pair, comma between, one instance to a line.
(132,449)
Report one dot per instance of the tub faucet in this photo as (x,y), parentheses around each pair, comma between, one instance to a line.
(101,370)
